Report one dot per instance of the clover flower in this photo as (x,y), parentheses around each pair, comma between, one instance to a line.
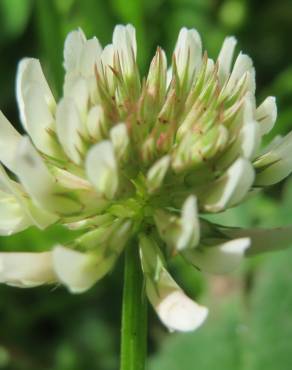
(124,158)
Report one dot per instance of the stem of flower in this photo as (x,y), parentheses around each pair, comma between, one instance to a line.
(134,315)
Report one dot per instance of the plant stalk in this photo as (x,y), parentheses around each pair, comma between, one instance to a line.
(134,313)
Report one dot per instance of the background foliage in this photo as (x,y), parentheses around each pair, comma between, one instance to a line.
(250,325)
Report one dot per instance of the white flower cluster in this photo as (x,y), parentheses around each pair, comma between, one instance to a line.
(124,158)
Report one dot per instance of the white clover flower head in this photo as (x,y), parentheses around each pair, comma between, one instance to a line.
(120,156)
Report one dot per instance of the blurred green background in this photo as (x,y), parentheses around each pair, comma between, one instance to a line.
(250,324)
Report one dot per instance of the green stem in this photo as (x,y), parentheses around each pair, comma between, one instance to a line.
(134,315)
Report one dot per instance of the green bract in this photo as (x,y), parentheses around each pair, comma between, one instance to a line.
(122,157)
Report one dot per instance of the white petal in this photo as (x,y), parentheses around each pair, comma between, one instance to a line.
(168,77)
(250,81)
(249,139)
(71,181)
(12,216)
(132,36)
(78,271)
(120,140)
(174,308)
(179,312)
(188,53)
(276,164)
(79,93)
(124,43)
(101,168)
(225,58)
(219,259)
(278,149)
(95,221)
(9,140)
(169,227)
(274,173)
(273,144)
(31,170)
(7,185)
(266,114)
(107,61)
(263,240)
(26,270)
(69,129)
(107,55)
(190,235)
(39,120)
(35,215)
(157,172)
(179,232)
(104,243)
(94,122)
(230,188)
(73,48)
(249,135)
(38,181)
(156,78)
(90,57)
(30,72)
(81,58)
(39,217)
(242,65)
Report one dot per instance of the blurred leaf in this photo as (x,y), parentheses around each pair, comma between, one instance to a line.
(36,240)
(270,324)
(233,340)
(129,10)
(259,210)
(15,15)
(212,35)
(216,345)
(233,14)
(93,16)
(66,357)
(132,11)
(282,85)
(195,4)
(63,6)
(50,40)
(4,357)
